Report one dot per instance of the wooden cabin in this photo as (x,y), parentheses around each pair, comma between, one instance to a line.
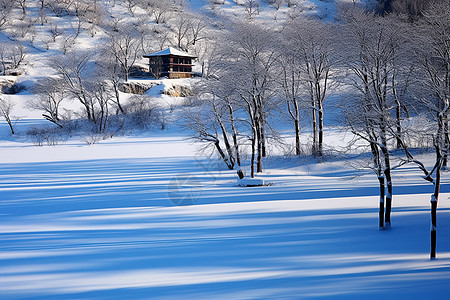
(171,63)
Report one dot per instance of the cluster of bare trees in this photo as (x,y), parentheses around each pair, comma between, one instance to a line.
(397,68)
(255,76)
(12,55)
(393,71)
(91,79)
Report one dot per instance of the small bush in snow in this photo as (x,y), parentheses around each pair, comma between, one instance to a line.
(47,135)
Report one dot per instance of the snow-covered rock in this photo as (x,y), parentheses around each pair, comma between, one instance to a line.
(251,182)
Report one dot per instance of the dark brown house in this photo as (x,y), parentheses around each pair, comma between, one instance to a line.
(171,63)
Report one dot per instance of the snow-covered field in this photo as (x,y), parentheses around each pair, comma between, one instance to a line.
(145,216)
(100,221)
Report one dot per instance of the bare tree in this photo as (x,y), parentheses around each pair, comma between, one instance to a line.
(251,74)
(213,121)
(42,11)
(74,74)
(111,73)
(252,8)
(160,10)
(49,98)
(22,5)
(12,55)
(124,46)
(131,6)
(6,7)
(433,55)
(372,44)
(6,106)
(276,3)
(189,29)
(309,49)
(55,31)
(181,26)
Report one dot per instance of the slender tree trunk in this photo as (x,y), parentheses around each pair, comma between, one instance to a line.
(222,154)
(398,111)
(228,148)
(387,218)
(263,136)
(235,138)
(378,169)
(252,167)
(297,137)
(381,210)
(434,202)
(314,125)
(117,94)
(446,142)
(387,173)
(8,120)
(259,149)
(320,150)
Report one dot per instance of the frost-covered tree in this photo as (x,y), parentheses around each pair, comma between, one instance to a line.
(238,90)
(6,7)
(372,48)
(112,74)
(251,74)
(189,29)
(80,78)
(74,73)
(276,3)
(50,95)
(307,58)
(213,122)
(6,106)
(432,49)
(12,55)
(124,46)
(160,10)
(252,8)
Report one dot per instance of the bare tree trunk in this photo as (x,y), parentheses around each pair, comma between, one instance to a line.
(222,154)
(297,137)
(259,148)
(387,173)
(263,140)
(320,150)
(231,159)
(434,201)
(8,120)
(377,167)
(314,125)
(398,125)
(381,210)
(235,141)
(252,167)
(117,95)
(446,142)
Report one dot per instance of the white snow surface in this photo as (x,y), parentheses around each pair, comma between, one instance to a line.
(104,222)
(146,216)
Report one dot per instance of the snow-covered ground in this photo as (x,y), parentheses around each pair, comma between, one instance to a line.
(100,221)
(145,216)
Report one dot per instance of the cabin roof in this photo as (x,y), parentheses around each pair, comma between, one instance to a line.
(170,51)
